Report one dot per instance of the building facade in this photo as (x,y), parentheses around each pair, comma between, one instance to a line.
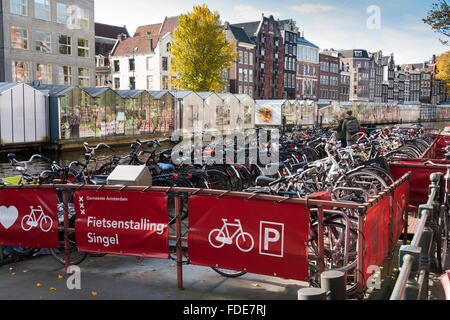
(47,42)
(329,76)
(358,61)
(307,69)
(269,57)
(289,32)
(241,75)
(143,61)
(106,38)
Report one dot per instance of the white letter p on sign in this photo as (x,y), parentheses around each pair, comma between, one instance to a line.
(268,238)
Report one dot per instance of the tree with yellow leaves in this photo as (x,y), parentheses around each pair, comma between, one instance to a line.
(443,66)
(200,52)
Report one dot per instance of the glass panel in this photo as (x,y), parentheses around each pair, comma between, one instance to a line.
(65,45)
(19,7)
(84,77)
(44,41)
(21,71)
(44,73)
(42,9)
(83,48)
(19,38)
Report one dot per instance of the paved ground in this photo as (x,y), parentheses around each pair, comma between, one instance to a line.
(118,277)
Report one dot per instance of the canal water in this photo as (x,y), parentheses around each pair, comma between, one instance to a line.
(6,169)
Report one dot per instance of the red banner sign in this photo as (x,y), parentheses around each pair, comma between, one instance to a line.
(419,181)
(125,223)
(29,218)
(255,236)
(376,235)
(400,207)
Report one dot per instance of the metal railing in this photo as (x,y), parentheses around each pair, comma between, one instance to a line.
(415,259)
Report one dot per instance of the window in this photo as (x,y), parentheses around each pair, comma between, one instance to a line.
(241,57)
(19,38)
(44,73)
(44,41)
(245,57)
(250,58)
(240,74)
(165,63)
(62,13)
(84,78)
(116,65)
(250,75)
(21,71)
(132,83)
(117,83)
(83,18)
(42,9)
(65,75)
(19,7)
(149,82)
(65,45)
(83,48)
(131,64)
(165,82)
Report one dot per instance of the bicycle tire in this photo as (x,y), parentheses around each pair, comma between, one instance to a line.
(228,273)
(76,257)
(442,242)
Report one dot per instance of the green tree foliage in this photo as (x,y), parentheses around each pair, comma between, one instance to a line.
(439,19)
(200,52)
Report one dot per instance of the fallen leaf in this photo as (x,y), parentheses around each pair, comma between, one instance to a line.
(38,284)
(13,274)
(255,284)
(11,268)
(52,288)
(60,276)
(25,271)
(173,265)
(94,293)
(207,270)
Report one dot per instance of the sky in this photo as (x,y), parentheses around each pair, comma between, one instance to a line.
(393,26)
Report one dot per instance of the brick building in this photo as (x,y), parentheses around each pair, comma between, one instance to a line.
(240,76)
(269,57)
(289,32)
(329,76)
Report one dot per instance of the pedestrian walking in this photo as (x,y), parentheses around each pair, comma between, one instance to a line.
(341,134)
(351,127)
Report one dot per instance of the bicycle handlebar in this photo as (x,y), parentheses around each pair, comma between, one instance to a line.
(91,149)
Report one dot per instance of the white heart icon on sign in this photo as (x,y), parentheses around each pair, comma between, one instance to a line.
(8,216)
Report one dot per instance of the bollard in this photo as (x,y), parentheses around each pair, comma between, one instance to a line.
(312,294)
(333,282)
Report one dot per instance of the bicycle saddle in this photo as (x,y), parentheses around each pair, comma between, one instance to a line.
(263,181)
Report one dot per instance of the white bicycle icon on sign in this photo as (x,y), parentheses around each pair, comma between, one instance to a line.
(30,221)
(220,237)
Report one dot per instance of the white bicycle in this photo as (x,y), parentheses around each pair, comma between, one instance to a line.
(44,222)
(221,237)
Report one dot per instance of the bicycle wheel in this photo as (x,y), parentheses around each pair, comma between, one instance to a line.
(218,180)
(442,241)
(23,251)
(76,257)
(229,273)
(334,253)
(369,183)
